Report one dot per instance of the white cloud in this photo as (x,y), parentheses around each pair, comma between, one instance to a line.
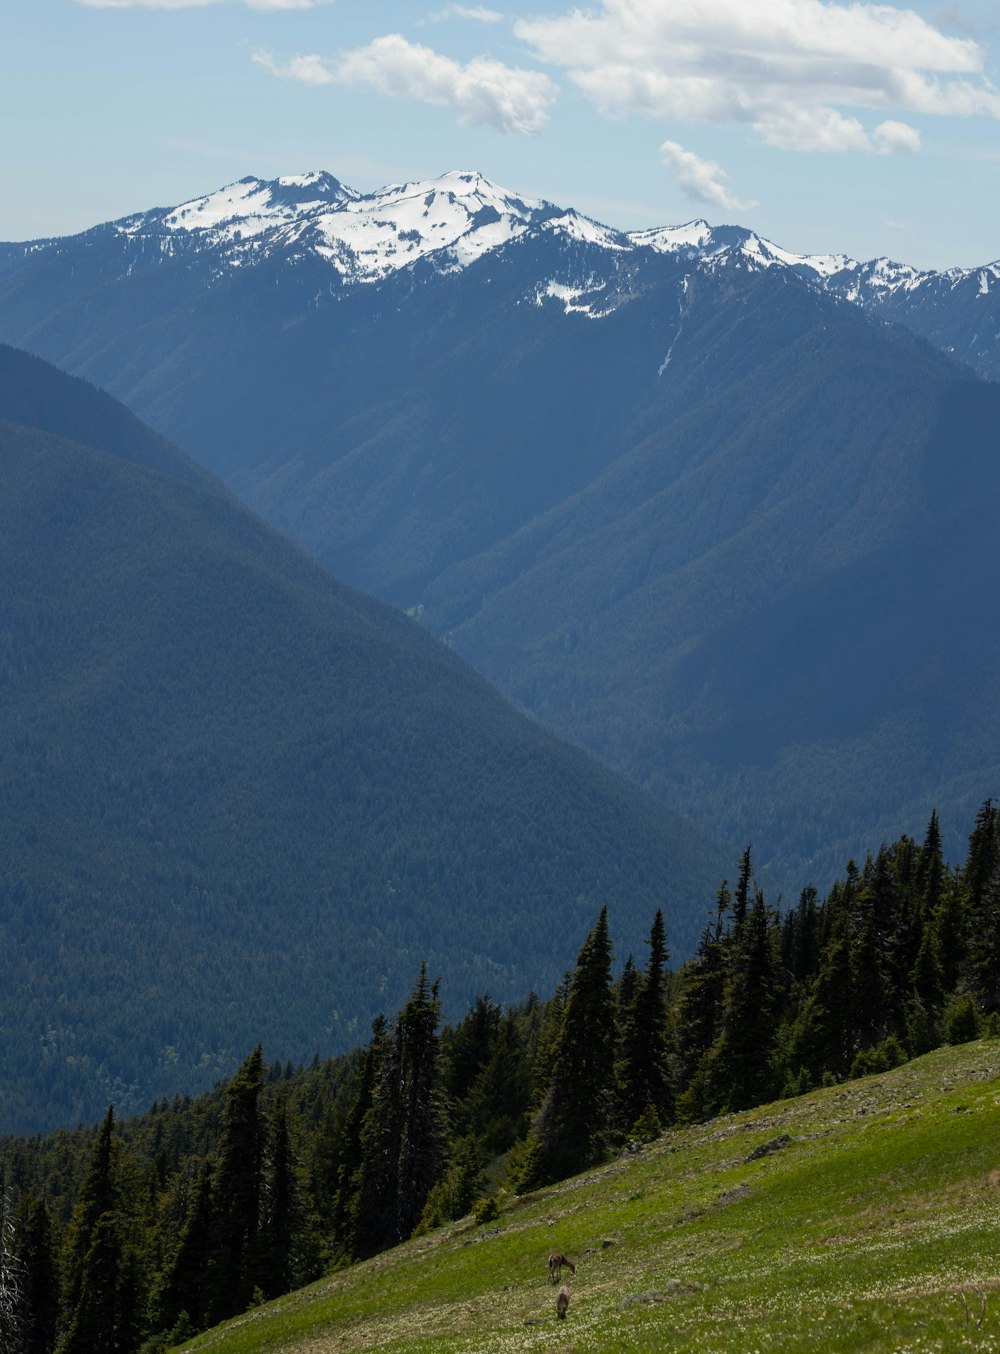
(476,13)
(700,179)
(796,71)
(482,91)
(309,69)
(889,136)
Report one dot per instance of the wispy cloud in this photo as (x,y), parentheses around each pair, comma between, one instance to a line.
(481,91)
(700,179)
(796,71)
(475,13)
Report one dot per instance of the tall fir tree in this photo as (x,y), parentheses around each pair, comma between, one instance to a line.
(343,1146)
(233,1267)
(40,1307)
(698,1010)
(739,1070)
(646,1085)
(105,1283)
(574,1124)
(183,1291)
(981,888)
(290,1256)
(97,1200)
(403,1140)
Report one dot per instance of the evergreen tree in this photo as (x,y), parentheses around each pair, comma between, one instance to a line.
(927,978)
(403,1137)
(984,945)
(465,1050)
(344,1145)
(646,1083)
(822,1037)
(984,853)
(931,870)
(236,1196)
(871,1013)
(698,1010)
(497,1106)
(574,1122)
(290,1258)
(981,886)
(741,894)
(184,1288)
(97,1200)
(739,1070)
(40,1309)
(800,940)
(93,1327)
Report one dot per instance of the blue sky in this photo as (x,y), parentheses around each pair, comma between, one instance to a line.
(827,126)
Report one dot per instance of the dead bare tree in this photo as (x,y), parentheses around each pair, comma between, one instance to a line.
(11,1294)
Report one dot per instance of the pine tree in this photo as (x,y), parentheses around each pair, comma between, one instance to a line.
(927,978)
(40,1311)
(94,1324)
(981,886)
(423,1137)
(574,1122)
(236,1196)
(184,1287)
(741,894)
(497,1105)
(800,940)
(823,1036)
(739,1070)
(872,1008)
(343,1145)
(698,1010)
(403,1136)
(97,1200)
(289,1257)
(646,1083)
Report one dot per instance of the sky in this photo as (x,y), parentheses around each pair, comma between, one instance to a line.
(827,126)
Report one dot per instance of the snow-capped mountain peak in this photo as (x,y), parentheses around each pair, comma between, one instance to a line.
(454,219)
(252,206)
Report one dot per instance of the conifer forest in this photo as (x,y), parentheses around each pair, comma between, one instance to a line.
(133,1235)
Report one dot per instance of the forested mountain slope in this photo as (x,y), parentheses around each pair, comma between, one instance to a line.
(240,801)
(714,524)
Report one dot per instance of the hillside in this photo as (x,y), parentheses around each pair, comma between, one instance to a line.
(240,801)
(688,510)
(859,1217)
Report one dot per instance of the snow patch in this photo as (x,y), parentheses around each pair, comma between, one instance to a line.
(571,297)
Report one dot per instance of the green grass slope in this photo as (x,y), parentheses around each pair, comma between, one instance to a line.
(863,1217)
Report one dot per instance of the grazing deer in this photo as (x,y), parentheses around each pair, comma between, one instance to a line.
(556,1262)
(562,1302)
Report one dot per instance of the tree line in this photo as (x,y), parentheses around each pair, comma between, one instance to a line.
(133,1236)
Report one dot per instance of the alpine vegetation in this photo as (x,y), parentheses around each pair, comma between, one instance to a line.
(156,1227)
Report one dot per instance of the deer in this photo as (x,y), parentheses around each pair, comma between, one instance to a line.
(562,1302)
(556,1262)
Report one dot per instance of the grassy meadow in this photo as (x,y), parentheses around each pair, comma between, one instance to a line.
(861,1217)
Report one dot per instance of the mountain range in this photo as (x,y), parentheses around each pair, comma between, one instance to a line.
(705,506)
(240,801)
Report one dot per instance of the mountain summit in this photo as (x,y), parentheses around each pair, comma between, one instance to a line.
(453,220)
